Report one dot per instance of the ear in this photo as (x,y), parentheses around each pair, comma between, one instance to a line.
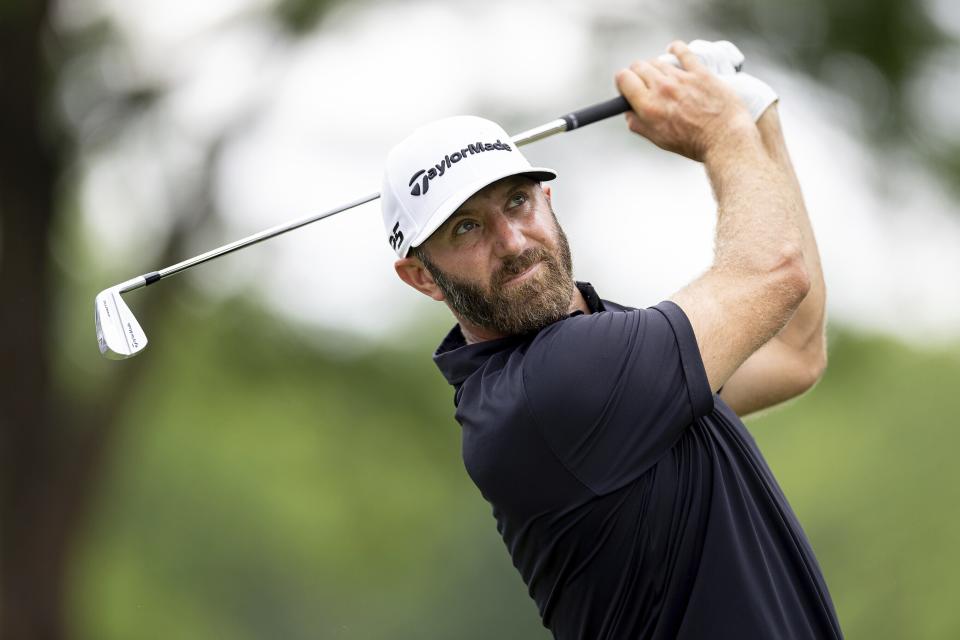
(547,192)
(412,271)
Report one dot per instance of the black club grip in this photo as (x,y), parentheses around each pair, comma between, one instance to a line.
(595,112)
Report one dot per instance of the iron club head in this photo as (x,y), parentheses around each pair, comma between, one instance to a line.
(118,332)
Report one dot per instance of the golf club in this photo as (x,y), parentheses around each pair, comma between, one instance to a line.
(120,335)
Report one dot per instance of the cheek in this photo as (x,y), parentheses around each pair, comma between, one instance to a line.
(479,272)
(545,231)
(465,265)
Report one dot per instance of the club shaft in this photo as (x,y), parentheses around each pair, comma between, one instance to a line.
(539,133)
(570,121)
(266,234)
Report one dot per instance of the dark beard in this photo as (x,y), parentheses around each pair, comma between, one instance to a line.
(528,306)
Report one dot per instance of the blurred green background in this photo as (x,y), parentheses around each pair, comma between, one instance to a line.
(268,492)
(257,475)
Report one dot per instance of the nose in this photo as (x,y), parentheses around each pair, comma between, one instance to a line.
(509,238)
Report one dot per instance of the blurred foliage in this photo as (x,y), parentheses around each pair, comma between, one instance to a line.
(264,489)
(866,460)
(300,17)
(872,52)
(895,36)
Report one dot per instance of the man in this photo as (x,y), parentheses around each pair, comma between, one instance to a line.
(629,494)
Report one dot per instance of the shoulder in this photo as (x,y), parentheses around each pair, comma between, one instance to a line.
(586,353)
(587,361)
(595,337)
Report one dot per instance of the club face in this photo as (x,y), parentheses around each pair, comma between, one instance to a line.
(118,332)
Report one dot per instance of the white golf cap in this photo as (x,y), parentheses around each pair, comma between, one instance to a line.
(438,167)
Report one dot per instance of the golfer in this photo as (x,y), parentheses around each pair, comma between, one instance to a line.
(630,496)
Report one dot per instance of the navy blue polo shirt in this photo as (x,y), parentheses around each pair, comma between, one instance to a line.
(632,500)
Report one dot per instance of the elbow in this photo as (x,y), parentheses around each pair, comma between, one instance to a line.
(811,364)
(815,369)
(791,276)
(818,357)
(805,377)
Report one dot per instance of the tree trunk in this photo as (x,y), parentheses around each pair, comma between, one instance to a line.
(32,558)
(50,452)
(53,449)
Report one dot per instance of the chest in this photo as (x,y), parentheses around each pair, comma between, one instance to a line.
(506,455)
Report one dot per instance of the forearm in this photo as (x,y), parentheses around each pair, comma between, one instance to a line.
(757,278)
(806,329)
(757,222)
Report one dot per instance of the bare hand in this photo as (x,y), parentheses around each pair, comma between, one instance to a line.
(688,111)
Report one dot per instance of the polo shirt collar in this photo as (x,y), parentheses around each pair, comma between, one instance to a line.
(457,360)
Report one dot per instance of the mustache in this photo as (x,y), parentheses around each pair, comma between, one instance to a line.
(518,264)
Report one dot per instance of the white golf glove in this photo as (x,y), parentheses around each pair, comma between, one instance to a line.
(724,59)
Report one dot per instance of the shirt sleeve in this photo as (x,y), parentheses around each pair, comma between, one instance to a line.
(613,391)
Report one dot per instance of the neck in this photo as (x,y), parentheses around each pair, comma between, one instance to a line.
(473,333)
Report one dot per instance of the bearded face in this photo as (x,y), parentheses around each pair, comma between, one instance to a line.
(513,300)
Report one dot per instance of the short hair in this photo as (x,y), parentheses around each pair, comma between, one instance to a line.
(417,252)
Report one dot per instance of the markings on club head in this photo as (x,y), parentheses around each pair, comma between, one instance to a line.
(113,295)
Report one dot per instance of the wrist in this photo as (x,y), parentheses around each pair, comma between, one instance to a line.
(735,141)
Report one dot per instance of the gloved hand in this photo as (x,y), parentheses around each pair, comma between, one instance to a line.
(725,60)
(756,94)
(722,57)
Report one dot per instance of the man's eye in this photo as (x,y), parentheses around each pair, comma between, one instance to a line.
(518,198)
(464,226)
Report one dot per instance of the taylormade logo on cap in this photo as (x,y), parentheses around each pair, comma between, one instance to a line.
(424,181)
(437,170)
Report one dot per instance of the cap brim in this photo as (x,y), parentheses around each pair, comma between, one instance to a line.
(452,203)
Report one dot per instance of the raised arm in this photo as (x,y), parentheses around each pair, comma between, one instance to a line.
(759,276)
(793,360)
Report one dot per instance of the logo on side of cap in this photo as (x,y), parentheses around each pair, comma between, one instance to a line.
(396,239)
(437,171)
